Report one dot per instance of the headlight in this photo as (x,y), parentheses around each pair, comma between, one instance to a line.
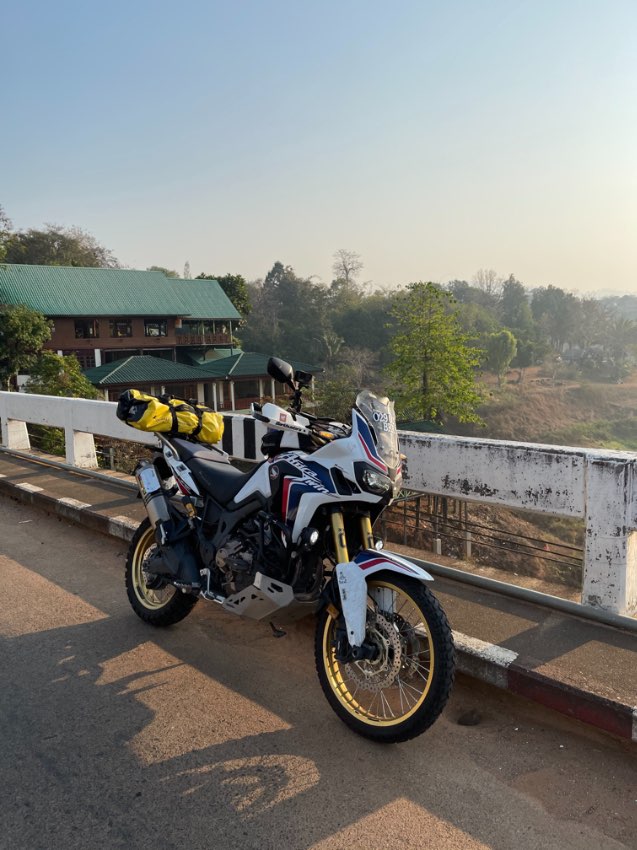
(375,482)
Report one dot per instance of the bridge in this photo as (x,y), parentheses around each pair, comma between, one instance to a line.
(215,734)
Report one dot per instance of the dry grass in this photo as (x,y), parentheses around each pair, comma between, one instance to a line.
(540,410)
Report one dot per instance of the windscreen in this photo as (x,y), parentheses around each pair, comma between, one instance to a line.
(380,416)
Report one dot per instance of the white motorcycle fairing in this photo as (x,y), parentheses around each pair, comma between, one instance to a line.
(352,584)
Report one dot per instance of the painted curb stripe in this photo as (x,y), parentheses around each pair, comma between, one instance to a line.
(609,715)
(73,503)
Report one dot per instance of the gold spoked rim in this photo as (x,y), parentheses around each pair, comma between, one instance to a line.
(359,688)
(148,597)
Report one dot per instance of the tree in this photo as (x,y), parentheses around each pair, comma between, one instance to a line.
(515,310)
(556,311)
(623,334)
(366,322)
(464,293)
(235,287)
(55,374)
(166,272)
(57,246)
(336,394)
(288,316)
(6,226)
(23,332)
(434,364)
(489,282)
(594,325)
(501,348)
(347,265)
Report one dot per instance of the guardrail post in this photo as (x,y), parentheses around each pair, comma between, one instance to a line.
(15,434)
(610,552)
(79,445)
(80,449)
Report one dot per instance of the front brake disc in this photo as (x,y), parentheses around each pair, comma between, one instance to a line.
(378,674)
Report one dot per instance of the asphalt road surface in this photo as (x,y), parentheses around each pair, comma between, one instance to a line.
(213,734)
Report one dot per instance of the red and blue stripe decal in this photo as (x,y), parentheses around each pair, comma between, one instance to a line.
(367,442)
(367,560)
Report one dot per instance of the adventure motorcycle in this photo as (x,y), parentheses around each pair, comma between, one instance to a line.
(294,536)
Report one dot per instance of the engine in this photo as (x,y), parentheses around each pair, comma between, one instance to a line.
(261,544)
(237,562)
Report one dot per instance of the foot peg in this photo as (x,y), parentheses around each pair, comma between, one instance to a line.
(276,632)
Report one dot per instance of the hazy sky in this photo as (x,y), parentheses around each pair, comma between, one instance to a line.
(434,138)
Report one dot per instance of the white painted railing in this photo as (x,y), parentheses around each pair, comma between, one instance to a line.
(598,486)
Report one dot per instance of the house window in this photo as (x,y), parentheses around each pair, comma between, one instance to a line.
(113,354)
(86,358)
(185,391)
(87,329)
(155,327)
(121,328)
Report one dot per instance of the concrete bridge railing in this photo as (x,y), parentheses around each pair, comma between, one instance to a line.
(597,486)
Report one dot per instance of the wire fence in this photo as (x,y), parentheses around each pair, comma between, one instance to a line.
(117,455)
(499,538)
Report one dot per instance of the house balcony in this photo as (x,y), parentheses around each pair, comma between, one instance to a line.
(186,337)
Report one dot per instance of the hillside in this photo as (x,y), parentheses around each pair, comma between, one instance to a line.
(593,415)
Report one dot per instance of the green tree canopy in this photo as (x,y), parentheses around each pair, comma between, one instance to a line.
(288,316)
(57,246)
(365,322)
(167,272)
(514,308)
(557,313)
(23,332)
(5,233)
(54,374)
(433,366)
(501,348)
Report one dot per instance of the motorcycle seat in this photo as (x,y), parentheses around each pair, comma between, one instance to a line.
(188,450)
(221,480)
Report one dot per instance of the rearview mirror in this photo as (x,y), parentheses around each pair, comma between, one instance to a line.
(281,372)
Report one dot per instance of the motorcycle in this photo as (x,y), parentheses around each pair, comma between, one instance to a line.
(294,536)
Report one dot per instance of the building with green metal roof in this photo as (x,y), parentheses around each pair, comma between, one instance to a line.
(102,315)
(141,329)
(229,383)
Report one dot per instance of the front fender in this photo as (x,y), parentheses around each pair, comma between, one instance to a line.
(352,585)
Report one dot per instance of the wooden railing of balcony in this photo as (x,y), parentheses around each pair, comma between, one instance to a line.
(186,338)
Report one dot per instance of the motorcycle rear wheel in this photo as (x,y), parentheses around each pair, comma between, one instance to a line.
(401,694)
(155,603)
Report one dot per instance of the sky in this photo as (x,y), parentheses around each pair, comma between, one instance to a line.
(433,138)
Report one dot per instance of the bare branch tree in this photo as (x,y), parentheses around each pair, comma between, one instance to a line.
(488,281)
(347,265)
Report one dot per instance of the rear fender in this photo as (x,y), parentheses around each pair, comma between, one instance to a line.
(352,579)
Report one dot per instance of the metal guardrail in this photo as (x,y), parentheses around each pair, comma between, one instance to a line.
(599,487)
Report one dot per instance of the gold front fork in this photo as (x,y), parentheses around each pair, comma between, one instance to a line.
(340,541)
(367,536)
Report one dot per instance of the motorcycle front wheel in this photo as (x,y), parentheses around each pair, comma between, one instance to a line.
(153,600)
(401,692)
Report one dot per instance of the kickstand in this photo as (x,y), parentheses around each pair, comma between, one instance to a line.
(276,632)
